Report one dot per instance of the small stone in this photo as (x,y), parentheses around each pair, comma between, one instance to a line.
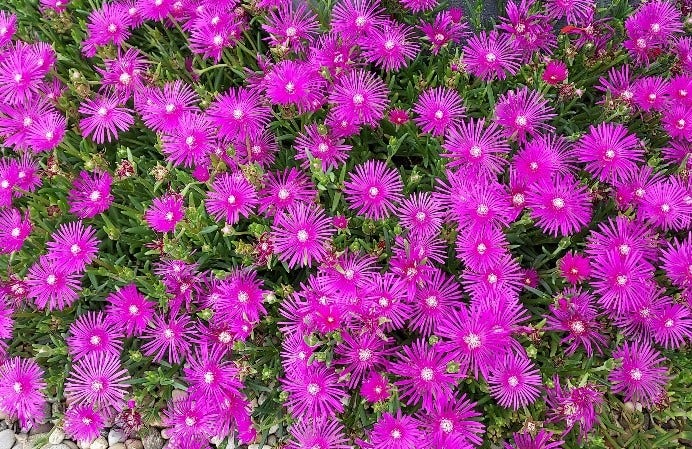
(152,440)
(117,446)
(272,441)
(116,436)
(273,429)
(7,439)
(99,443)
(56,436)
(133,444)
(231,444)
(56,446)
(21,437)
(84,444)
(165,434)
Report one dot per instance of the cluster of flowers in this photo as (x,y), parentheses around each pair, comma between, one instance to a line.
(501,169)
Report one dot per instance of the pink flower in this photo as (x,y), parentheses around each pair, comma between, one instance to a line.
(639,375)
(211,378)
(190,143)
(438,110)
(609,151)
(231,196)
(20,76)
(300,234)
(293,83)
(83,423)
(515,382)
(317,142)
(21,395)
(433,302)
(239,113)
(419,5)
(491,55)
(574,267)
(8,26)
(523,112)
(164,213)
(104,118)
(14,230)
(355,18)
(359,97)
(52,285)
(396,432)
(90,194)
(374,189)
(477,147)
(92,334)
(109,24)
(575,313)
(560,207)
(170,337)
(98,380)
(130,309)
(389,45)
(555,72)
(320,432)
(375,388)
(314,393)
(422,214)
(283,189)
(291,26)
(162,108)
(73,245)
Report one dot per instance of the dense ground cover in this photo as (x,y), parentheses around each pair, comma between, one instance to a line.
(351,223)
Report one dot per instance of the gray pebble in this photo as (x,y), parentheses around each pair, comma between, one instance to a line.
(116,436)
(152,440)
(7,439)
(99,443)
(56,436)
(133,444)
(117,446)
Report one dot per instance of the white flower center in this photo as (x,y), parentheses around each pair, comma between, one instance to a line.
(358,99)
(208,377)
(283,193)
(681,124)
(609,155)
(112,28)
(665,208)
(577,327)
(51,279)
(313,389)
(389,45)
(190,141)
(384,302)
(490,58)
(373,192)
(636,374)
(641,43)
(17,387)
(364,355)
(169,216)
(238,114)
(224,337)
(291,31)
(431,301)
(621,280)
(95,195)
(482,209)
(168,333)
(302,236)
(125,78)
(481,248)
(75,249)
(96,385)
(360,21)
(95,340)
(427,374)
(513,381)
(439,114)
(446,425)
(518,199)
(218,40)
(655,27)
(189,420)
(290,87)
(170,107)
(492,278)
(102,111)
(520,121)
(133,309)
(395,434)
(558,203)
(231,199)
(243,297)
(15,232)
(473,341)
(476,151)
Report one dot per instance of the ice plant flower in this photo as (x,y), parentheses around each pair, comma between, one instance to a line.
(360,97)
(170,337)
(83,423)
(560,207)
(575,313)
(522,113)
(104,118)
(21,391)
(51,285)
(130,309)
(98,380)
(515,382)
(389,45)
(478,147)
(374,189)
(90,194)
(231,196)
(300,233)
(574,405)
(396,432)
(164,213)
(438,110)
(640,375)
(490,55)
(313,393)
(608,151)
(92,334)
(73,246)
(14,229)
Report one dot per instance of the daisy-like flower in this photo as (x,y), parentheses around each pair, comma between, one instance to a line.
(213,30)
(438,110)
(109,24)
(14,229)
(300,233)
(443,30)
(210,377)
(489,55)
(52,285)
(90,194)
(424,377)
(21,395)
(83,423)
(650,93)
(667,205)
(622,237)
(574,406)
(20,77)
(560,207)
(162,108)
(555,72)
(164,213)
(283,189)
(105,118)
(240,295)
(575,314)
(191,422)
(575,268)
(419,5)
(677,262)
(359,97)
(433,302)
(130,309)
(360,355)
(387,294)
(542,440)
(470,336)
(515,382)
(123,75)
(541,158)
(609,151)
(231,196)
(375,388)
(356,18)
(73,245)
(476,205)
(522,113)
(634,186)
(260,149)
(316,142)
(239,113)
(453,423)
(677,121)
(8,26)
(290,26)
(294,83)
(190,143)
(482,249)
(168,337)
(314,393)
(477,147)
(320,432)
(93,334)
(374,189)
(98,380)
(575,11)
(422,214)
(47,132)
(621,284)
(390,46)
(672,326)
(28,177)
(640,376)
(396,432)
(333,53)
(500,280)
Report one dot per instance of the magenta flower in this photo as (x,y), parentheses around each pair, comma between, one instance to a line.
(164,213)
(542,440)
(110,24)
(650,93)
(640,375)
(453,423)
(621,283)
(575,11)
(51,285)
(130,309)
(422,214)
(560,207)
(124,74)
(433,302)
(498,281)
(375,388)
(14,230)
(162,108)
(360,355)
(283,189)
(443,30)
(240,295)
(419,5)
(239,114)
(374,189)
(489,55)
(515,382)
(359,97)
(73,245)
(313,393)
(355,18)
(677,260)
(293,83)
(190,421)
(98,380)
(396,432)
(190,143)
(522,113)
(609,151)
(555,72)
(105,118)
(575,268)
(667,205)
(482,249)
(321,432)
(231,196)
(424,377)
(574,406)
(390,45)
(168,337)
(90,194)
(315,142)
(398,116)
(20,77)
(438,110)
(677,121)
(290,26)
(542,158)
(300,235)
(210,377)
(476,147)
(21,395)
(83,423)
(8,26)
(47,132)
(672,326)
(92,334)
